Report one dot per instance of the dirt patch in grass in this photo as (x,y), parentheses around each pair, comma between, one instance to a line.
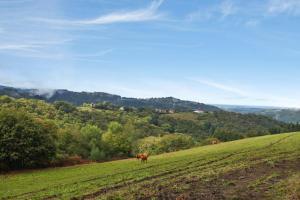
(255,182)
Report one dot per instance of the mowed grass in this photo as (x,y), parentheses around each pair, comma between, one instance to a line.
(172,175)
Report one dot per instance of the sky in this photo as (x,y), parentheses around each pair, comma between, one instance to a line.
(211,51)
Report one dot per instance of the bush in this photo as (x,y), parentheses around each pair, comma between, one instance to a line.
(149,145)
(166,143)
(225,135)
(175,142)
(25,142)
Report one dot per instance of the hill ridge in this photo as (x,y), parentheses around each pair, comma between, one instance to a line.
(78,98)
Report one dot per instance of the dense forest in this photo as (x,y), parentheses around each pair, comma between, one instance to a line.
(78,98)
(35,133)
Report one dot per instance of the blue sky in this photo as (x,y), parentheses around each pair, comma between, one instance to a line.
(211,51)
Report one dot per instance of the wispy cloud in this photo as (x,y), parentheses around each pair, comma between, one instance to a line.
(254,96)
(227,8)
(284,6)
(220,11)
(252,23)
(97,54)
(32,46)
(146,14)
(221,86)
(18,47)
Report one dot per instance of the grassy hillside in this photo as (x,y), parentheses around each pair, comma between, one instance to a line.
(266,167)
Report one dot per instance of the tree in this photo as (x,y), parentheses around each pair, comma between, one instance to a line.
(91,141)
(175,142)
(25,141)
(90,132)
(116,141)
(96,154)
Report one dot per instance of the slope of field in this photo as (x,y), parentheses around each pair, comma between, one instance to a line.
(266,167)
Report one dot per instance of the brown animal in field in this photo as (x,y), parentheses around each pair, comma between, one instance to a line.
(215,141)
(142,156)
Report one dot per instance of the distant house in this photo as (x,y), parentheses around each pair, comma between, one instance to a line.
(171,111)
(199,111)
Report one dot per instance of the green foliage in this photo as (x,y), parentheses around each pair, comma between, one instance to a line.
(224,135)
(96,154)
(5,99)
(71,143)
(166,143)
(149,145)
(25,142)
(225,126)
(175,142)
(64,106)
(116,140)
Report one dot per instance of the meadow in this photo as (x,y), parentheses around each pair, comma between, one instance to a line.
(266,167)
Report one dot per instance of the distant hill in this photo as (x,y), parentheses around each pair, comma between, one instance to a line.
(288,115)
(78,98)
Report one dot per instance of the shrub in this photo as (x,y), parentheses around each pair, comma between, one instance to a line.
(97,154)
(166,143)
(175,142)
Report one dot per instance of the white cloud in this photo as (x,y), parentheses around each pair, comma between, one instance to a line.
(147,14)
(221,11)
(284,6)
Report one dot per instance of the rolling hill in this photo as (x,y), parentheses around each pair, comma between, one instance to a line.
(78,98)
(288,115)
(265,167)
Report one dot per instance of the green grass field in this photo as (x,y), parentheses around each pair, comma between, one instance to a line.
(266,167)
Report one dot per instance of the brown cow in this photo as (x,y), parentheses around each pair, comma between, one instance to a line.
(142,156)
